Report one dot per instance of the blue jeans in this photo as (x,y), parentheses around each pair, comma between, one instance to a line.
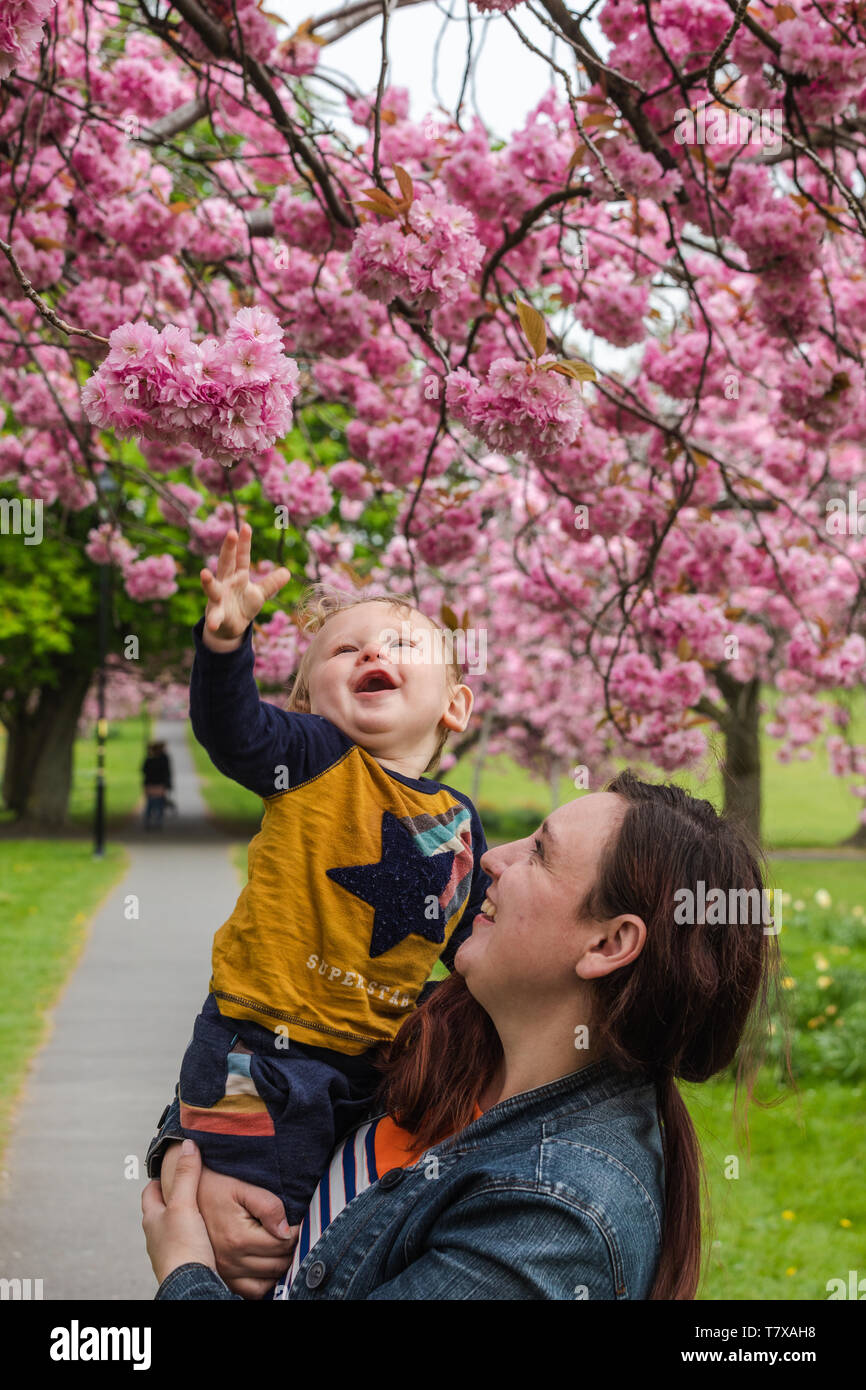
(270,1112)
(154,809)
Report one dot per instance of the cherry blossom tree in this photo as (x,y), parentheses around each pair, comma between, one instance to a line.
(596,392)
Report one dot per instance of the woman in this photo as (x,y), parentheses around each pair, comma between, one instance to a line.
(156,777)
(551,1058)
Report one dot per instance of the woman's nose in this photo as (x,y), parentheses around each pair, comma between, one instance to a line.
(493,861)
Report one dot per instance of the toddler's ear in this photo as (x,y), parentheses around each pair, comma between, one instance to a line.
(456,715)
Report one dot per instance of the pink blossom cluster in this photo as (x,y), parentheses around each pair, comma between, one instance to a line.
(229,398)
(427,265)
(304,222)
(447,533)
(798,720)
(822,395)
(147,579)
(297,56)
(519,408)
(250,30)
(846,759)
(107,546)
(613,304)
(126,692)
(220,231)
(207,536)
(395,101)
(349,477)
(304,491)
(398,449)
(840,663)
(21,23)
(151,578)
(278,647)
(646,688)
(181,502)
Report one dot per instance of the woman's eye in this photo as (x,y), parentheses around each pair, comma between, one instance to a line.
(539,847)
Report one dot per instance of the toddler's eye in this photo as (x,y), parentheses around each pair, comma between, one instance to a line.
(345,648)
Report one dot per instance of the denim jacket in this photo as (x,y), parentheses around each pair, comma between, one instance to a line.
(556,1193)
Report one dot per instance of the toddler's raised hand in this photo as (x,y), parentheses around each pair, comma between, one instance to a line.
(233,601)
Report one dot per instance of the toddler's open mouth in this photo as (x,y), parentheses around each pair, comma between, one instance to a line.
(374,682)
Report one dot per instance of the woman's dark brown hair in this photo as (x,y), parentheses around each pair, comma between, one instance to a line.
(697,997)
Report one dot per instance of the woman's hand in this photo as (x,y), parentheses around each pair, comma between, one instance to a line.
(174,1228)
(233,601)
(247,1226)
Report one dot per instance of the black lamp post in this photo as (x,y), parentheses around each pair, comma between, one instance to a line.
(107,483)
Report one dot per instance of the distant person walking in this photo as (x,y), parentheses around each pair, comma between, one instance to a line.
(156,771)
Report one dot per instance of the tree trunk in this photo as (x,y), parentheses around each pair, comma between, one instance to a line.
(741,771)
(38,773)
(857,840)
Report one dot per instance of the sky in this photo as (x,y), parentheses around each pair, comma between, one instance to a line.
(508,81)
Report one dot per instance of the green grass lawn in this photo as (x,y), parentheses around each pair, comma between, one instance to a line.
(50,892)
(125,751)
(124,754)
(795,1214)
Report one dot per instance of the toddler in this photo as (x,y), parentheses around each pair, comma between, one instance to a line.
(364,873)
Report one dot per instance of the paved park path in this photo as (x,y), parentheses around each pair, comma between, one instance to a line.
(69,1214)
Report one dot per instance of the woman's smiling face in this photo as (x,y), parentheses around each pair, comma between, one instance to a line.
(533,944)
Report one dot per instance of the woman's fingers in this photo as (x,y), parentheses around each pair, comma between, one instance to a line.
(267,1208)
(252,1288)
(151,1200)
(186,1175)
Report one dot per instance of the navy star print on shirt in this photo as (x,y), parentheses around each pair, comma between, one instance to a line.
(398,886)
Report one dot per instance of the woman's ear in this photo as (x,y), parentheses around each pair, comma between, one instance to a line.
(610,947)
